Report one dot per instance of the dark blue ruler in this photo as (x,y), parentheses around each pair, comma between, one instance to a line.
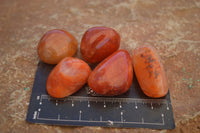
(85,108)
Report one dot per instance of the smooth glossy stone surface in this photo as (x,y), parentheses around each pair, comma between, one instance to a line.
(67,77)
(149,71)
(113,76)
(56,45)
(98,43)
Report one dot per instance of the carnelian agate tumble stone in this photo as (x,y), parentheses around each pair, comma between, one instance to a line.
(67,77)
(98,43)
(149,71)
(56,45)
(113,76)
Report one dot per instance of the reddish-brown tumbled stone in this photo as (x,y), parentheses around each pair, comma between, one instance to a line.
(98,43)
(113,76)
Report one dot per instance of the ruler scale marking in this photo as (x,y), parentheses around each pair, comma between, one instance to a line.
(76,98)
(103,99)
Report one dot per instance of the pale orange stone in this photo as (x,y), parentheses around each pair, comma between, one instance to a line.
(149,71)
(56,45)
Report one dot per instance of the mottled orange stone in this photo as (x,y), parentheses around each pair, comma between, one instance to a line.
(113,76)
(56,45)
(98,43)
(149,71)
(67,77)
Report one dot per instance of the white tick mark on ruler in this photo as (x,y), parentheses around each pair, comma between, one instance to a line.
(39,109)
(56,102)
(162,115)
(35,114)
(58,116)
(122,117)
(38,97)
(151,106)
(167,106)
(104,104)
(72,103)
(100,118)
(142,120)
(88,104)
(80,112)
(120,105)
(38,115)
(136,105)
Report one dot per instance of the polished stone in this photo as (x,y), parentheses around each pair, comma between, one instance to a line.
(113,76)
(98,43)
(149,71)
(67,77)
(56,45)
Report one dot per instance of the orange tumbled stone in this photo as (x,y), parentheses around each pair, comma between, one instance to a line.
(98,43)
(149,71)
(67,77)
(56,45)
(113,76)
